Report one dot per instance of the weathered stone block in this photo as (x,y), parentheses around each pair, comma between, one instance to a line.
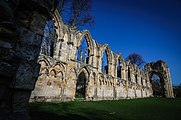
(26,76)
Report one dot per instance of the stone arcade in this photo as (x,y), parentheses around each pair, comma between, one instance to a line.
(70,73)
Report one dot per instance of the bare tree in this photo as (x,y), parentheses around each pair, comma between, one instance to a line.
(136,59)
(76,12)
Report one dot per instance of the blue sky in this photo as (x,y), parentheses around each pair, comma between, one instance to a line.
(151,28)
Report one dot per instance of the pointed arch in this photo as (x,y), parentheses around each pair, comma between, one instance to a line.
(85,40)
(157,85)
(83,51)
(106,58)
(87,35)
(59,67)
(119,65)
(42,58)
(108,51)
(52,72)
(81,83)
(161,69)
(86,71)
(58,22)
(105,63)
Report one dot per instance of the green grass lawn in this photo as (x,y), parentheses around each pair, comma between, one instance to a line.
(135,109)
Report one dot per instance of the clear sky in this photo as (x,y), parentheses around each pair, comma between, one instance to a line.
(151,28)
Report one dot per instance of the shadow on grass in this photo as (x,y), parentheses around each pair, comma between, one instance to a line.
(41,115)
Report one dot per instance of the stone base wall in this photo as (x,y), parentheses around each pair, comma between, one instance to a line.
(57,82)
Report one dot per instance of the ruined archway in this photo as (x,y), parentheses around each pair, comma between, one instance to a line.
(157,82)
(104,68)
(161,69)
(119,68)
(83,51)
(85,47)
(81,85)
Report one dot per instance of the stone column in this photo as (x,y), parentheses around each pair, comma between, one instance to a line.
(81,52)
(99,65)
(122,73)
(126,78)
(110,71)
(60,49)
(115,70)
(170,85)
(85,57)
(21,32)
(95,86)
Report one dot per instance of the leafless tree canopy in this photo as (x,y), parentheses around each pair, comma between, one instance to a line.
(76,12)
(136,59)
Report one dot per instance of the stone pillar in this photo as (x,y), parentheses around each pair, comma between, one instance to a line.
(59,49)
(171,94)
(122,73)
(115,70)
(21,32)
(126,78)
(110,68)
(81,55)
(95,85)
(85,57)
(99,65)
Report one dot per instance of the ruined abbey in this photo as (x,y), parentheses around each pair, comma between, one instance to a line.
(66,73)
(71,73)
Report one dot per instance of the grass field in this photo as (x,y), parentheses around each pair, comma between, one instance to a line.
(135,109)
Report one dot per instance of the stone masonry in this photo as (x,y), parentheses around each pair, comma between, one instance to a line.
(21,31)
(61,74)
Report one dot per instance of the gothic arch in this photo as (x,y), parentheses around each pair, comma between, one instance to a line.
(108,51)
(160,68)
(161,82)
(60,70)
(89,41)
(88,52)
(59,67)
(120,58)
(52,72)
(120,65)
(105,49)
(86,71)
(82,83)
(58,22)
(44,59)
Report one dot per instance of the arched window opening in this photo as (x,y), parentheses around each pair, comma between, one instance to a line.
(49,39)
(157,85)
(119,69)
(136,78)
(83,53)
(129,74)
(105,63)
(81,86)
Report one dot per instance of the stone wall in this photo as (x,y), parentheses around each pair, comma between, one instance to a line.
(21,31)
(59,74)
